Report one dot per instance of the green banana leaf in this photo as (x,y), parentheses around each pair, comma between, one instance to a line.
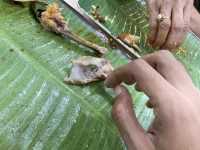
(37,109)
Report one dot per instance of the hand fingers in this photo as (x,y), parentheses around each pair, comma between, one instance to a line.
(147,79)
(171,69)
(163,26)
(122,74)
(195,21)
(131,131)
(178,29)
(153,8)
(187,14)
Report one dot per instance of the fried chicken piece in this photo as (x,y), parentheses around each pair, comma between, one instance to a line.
(52,19)
(130,40)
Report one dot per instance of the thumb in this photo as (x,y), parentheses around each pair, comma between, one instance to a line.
(131,131)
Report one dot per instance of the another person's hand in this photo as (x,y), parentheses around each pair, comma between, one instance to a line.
(195,22)
(170,31)
(173,97)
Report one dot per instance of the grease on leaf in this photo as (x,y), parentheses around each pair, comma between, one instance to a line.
(181,51)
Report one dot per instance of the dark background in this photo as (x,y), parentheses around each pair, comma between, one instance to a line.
(197,4)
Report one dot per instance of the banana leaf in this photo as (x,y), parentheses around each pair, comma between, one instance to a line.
(37,109)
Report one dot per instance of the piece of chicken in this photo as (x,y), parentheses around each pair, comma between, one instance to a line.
(130,40)
(88,69)
(52,19)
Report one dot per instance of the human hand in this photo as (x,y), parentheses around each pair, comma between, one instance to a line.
(195,22)
(171,31)
(173,97)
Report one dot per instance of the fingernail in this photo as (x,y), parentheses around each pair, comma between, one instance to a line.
(118,90)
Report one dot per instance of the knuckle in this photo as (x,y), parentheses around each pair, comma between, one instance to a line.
(136,63)
(171,45)
(178,42)
(167,60)
(165,25)
(178,28)
(186,24)
(153,25)
(185,28)
(164,54)
(164,57)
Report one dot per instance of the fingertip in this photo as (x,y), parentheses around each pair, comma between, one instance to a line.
(114,79)
(123,103)
(122,93)
(118,90)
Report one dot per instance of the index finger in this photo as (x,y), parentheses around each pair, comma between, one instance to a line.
(171,69)
(147,79)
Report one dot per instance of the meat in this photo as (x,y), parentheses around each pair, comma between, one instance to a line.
(88,69)
(130,40)
(52,19)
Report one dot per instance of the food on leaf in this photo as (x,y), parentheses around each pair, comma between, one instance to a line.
(130,40)
(51,19)
(96,14)
(88,69)
(181,51)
